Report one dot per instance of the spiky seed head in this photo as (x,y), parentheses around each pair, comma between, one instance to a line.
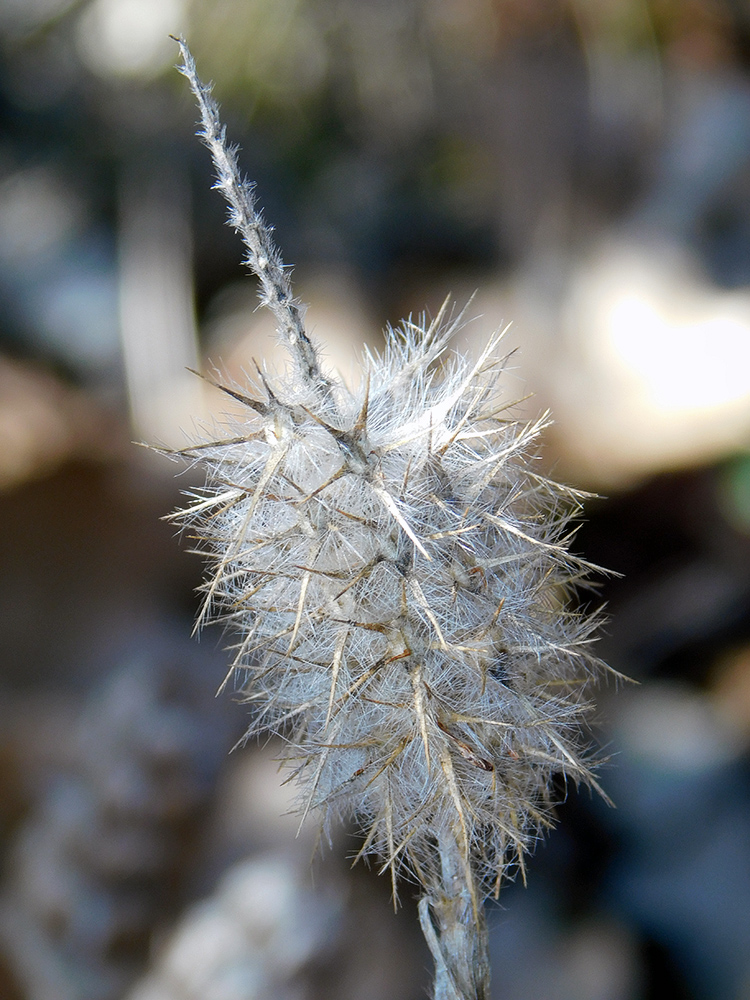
(398,575)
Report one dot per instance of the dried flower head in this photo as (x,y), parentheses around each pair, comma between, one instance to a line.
(398,575)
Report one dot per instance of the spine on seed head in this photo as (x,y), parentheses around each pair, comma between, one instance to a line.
(399,577)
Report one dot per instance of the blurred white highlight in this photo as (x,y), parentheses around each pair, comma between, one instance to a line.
(157,322)
(681,365)
(129,37)
(654,365)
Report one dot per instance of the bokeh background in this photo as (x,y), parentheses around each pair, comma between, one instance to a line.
(582,167)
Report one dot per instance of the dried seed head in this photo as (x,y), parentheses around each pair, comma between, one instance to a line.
(398,575)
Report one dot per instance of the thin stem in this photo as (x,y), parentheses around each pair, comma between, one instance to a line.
(456,932)
(263,257)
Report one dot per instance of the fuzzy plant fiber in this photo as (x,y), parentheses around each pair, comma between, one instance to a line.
(398,576)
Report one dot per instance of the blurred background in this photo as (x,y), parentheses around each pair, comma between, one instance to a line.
(583,166)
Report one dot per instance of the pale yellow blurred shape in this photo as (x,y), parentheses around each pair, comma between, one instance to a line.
(655,366)
(43,423)
(698,365)
(644,365)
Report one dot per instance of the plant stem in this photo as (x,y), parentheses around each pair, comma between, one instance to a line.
(263,257)
(456,931)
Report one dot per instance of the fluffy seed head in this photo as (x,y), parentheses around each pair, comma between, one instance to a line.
(398,576)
